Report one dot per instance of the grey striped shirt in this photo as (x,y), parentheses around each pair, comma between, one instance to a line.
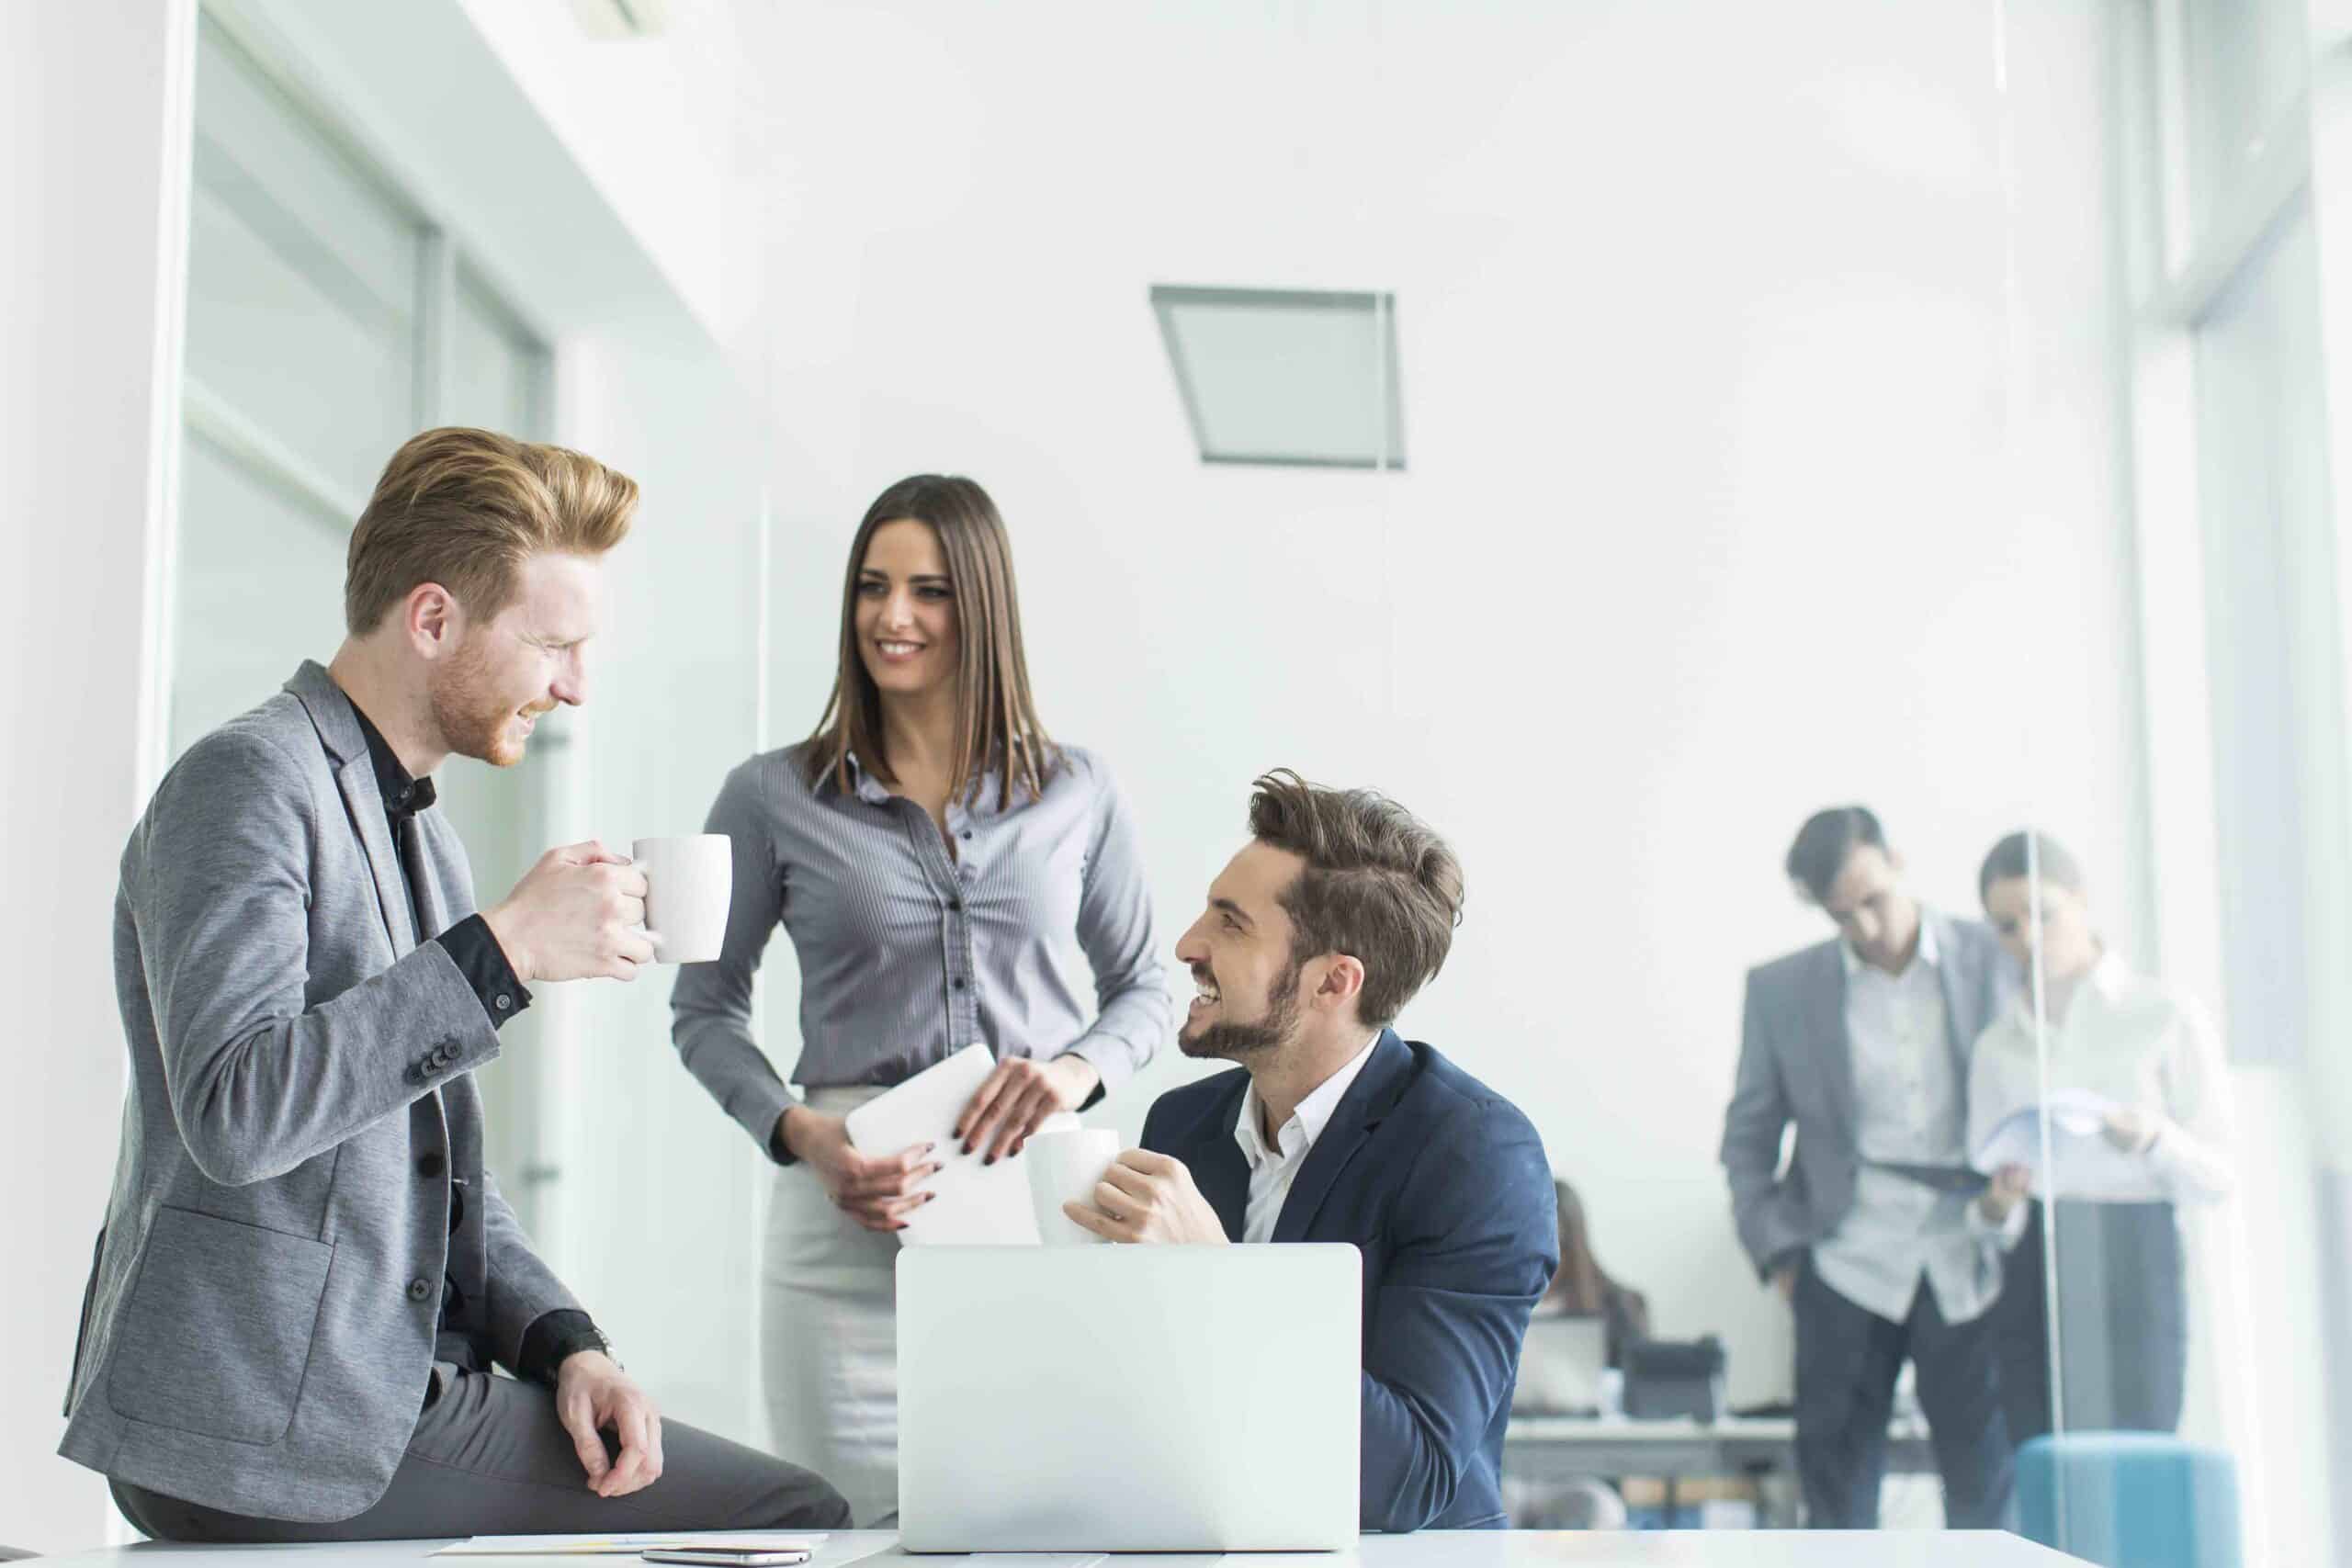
(907,954)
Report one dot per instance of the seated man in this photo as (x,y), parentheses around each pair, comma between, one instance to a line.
(1334,1130)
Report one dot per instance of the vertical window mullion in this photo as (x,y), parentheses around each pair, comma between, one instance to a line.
(436,313)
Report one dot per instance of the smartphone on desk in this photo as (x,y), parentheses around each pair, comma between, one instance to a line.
(730,1556)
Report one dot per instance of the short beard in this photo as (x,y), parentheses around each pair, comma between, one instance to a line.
(467,712)
(1244,1042)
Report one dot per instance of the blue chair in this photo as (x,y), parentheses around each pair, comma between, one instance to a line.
(2130,1499)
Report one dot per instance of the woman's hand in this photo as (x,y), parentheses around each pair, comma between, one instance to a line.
(878,1193)
(2129,1129)
(2011,1185)
(1018,1098)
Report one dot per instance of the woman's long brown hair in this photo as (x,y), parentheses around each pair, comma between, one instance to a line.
(996,718)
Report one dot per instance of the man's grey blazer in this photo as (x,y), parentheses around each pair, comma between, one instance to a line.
(260,1321)
(1796,1064)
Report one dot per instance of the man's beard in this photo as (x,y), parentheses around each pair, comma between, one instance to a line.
(1241,1042)
(470,715)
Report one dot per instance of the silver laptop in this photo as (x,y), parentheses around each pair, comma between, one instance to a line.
(1129,1398)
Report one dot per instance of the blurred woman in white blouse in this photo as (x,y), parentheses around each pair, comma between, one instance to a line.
(2120,1294)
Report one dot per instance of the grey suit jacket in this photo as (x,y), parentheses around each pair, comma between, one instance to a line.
(1796,1064)
(260,1321)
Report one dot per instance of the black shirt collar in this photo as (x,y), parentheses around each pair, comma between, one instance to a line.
(403,796)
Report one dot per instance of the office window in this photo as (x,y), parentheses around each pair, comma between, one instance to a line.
(319,303)
(304,279)
(2244,66)
(328,322)
(498,371)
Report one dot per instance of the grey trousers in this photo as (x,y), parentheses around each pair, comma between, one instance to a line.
(490,1457)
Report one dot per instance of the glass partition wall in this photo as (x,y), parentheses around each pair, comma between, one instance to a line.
(328,321)
(1922,408)
(2186,1269)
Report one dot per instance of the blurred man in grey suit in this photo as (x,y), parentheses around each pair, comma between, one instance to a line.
(306,1275)
(1863,1042)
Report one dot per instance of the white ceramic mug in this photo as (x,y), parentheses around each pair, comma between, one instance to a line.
(1064,1167)
(688,885)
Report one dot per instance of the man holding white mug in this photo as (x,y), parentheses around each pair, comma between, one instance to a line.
(306,1273)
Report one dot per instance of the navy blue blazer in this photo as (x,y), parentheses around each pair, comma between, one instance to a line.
(1443,1185)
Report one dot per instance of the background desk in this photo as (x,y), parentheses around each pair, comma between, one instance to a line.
(1613,1446)
(1549,1447)
(1433,1549)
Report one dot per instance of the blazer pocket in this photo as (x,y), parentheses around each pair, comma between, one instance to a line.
(216,1333)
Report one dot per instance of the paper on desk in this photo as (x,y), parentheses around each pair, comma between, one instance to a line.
(892,1554)
(628,1545)
(974,1203)
(2084,1164)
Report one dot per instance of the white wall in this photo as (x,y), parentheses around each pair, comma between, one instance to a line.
(94,150)
(1714,514)
(671,128)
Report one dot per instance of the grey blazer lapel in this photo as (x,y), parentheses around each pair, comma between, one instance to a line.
(1833,1047)
(338,726)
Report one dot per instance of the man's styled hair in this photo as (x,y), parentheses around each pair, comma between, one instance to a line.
(1825,842)
(465,509)
(1379,885)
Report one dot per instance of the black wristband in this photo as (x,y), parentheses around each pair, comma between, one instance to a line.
(554,1338)
(482,962)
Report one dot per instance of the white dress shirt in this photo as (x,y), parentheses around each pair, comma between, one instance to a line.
(1271,1171)
(1909,1110)
(2132,1040)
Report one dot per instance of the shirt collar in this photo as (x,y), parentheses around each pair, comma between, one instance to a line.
(1314,1112)
(865,785)
(2106,981)
(1928,952)
(980,800)
(403,796)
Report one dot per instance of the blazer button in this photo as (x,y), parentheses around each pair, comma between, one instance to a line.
(959,982)
(418,1290)
(431,1167)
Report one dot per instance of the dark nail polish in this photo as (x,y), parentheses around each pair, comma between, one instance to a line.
(991,1160)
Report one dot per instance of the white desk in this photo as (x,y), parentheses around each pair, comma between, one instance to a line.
(1434,1549)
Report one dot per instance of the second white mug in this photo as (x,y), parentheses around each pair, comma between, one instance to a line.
(1066,1168)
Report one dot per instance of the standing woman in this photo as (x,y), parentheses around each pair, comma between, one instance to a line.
(947,874)
(2120,1296)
